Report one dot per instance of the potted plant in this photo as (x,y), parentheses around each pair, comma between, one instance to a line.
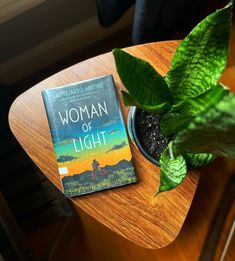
(191,111)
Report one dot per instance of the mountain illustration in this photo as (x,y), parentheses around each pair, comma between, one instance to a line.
(122,164)
(91,176)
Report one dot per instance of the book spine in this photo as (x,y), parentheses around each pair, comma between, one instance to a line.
(49,112)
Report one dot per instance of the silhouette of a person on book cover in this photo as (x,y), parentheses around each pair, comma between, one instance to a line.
(97,173)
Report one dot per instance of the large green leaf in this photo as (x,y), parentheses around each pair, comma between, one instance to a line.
(130,101)
(201,57)
(212,131)
(182,114)
(172,171)
(198,160)
(174,121)
(144,84)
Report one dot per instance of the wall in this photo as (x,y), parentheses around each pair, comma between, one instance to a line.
(47,33)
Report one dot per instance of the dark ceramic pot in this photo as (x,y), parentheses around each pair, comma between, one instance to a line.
(131,125)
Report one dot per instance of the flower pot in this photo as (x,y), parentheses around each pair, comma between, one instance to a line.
(145,134)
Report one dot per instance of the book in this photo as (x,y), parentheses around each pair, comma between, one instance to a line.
(89,136)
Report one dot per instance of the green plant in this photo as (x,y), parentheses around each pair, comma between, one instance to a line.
(197,112)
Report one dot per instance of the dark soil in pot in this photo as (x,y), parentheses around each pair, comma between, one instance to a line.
(148,132)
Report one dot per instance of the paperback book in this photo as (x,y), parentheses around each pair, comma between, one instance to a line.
(89,136)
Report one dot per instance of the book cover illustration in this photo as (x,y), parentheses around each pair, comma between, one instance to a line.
(89,136)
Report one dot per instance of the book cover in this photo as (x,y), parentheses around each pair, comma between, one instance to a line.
(89,136)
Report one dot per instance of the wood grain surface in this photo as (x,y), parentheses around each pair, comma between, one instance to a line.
(130,211)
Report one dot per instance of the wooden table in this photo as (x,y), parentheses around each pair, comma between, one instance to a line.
(130,211)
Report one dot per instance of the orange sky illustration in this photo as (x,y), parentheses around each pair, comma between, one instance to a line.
(111,158)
